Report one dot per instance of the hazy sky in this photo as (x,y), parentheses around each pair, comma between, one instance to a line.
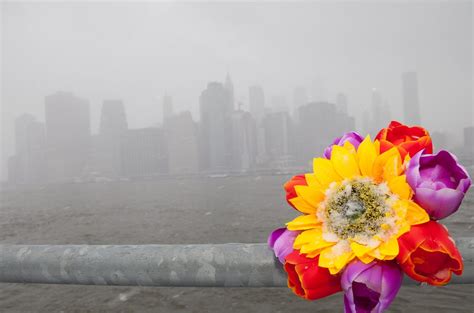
(137,51)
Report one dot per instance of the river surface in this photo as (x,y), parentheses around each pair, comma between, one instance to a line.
(178,211)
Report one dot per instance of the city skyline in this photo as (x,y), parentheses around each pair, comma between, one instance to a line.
(175,49)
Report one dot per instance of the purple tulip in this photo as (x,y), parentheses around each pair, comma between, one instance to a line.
(354,138)
(370,288)
(439,182)
(281,241)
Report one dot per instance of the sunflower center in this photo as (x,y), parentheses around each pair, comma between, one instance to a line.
(356,208)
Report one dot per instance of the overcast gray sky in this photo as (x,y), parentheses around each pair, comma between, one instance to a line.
(137,51)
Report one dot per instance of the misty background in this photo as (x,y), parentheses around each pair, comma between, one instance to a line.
(139,52)
(178,123)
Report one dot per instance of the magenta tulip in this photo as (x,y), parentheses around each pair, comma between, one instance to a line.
(281,241)
(439,182)
(370,288)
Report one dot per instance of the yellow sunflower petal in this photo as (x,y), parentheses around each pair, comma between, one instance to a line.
(366,258)
(303,222)
(380,162)
(311,241)
(389,247)
(366,154)
(344,162)
(313,181)
(399,186)
(308,236)
(392,167)
(309,194)
(303,206)
(324,171)
(360,250)
(416,214)
(350,147)
(334,262)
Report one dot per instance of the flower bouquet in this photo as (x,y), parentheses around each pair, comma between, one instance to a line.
(370,212)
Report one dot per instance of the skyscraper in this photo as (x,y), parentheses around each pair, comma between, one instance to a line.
(68,137)
(229,86)
(380,113)
(28,163)
(278,144)
(182,143)
(113,124)
(320,124)
(341,102)
(299,99)
(167,107)
(143,152)
(257,103)
(411,106)
(244,141)
(215,128)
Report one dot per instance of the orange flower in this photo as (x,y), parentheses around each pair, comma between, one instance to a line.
(307,280)
(408,140)
(428,254)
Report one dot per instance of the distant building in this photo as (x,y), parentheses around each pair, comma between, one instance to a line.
(143,152)
(279,139)
(440,140)
(229,86)
(181,138)
(279,104)
(215,128)
(67,120)
(27,166)
(379,114)
(299,99)
(244,141)
(411,106)
(257,103)
(320,123)
(113,124)
(167,107)
(341,103)
(469,144)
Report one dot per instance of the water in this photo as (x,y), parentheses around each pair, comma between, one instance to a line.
(178,211)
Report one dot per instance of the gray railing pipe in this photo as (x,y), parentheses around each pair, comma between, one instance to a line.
(222,265)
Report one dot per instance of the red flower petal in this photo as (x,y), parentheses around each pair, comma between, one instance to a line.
(428,254)
(298,180)
(307,279)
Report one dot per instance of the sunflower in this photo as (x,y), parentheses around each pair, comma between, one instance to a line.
(355,205)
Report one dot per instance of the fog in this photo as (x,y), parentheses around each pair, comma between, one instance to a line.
(140,52)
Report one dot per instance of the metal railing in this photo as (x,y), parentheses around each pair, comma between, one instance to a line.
(207,265)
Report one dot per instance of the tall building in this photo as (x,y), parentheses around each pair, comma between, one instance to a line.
(278,139)
(182,143)
(411,106)
(299,99)
(244,141)
(167,107)
(68,137)
(341,102)
(320,123)
(215,128)
(469,144)
(380,113)
(113,124)
(229,86)
(279,104)
(28,164)
(143,152)
(257,103)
